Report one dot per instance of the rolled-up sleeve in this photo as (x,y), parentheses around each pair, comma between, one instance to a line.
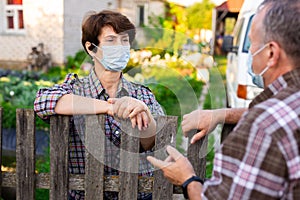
(47,98)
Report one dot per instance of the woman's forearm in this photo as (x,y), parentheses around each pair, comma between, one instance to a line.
(71,104)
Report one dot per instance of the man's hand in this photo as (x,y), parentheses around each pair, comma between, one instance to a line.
(176,167)
(203,120)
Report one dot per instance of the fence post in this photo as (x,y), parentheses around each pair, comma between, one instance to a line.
(166,128)
(59,169)
(197,154)
(94,161)
(1,111)
(25,154)
(129,161)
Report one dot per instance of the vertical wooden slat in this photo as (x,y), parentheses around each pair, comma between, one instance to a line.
(94,161)
(59,175)
(196,154)
(1,111)
(25,154)
(129,161)
(166,135)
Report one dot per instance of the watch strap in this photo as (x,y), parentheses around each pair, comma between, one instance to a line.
(187,182)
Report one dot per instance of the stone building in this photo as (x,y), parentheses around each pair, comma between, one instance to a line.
(57,24)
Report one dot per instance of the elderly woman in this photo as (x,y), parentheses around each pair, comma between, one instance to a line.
(106,37)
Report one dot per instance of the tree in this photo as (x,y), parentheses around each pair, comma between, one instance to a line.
(199,16)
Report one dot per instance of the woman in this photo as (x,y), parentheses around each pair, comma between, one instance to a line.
(106,37)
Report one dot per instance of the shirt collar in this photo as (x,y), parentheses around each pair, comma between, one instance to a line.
(289,79)
(124,88)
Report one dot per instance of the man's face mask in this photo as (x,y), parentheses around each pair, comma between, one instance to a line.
(257,79)
(115,58)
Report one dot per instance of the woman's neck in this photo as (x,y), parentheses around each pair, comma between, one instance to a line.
(109,80)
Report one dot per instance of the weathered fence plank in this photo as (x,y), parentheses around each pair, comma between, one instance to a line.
(166,134)
(94,161)
(59,173)
(129,161)
(197,154)
(25,154)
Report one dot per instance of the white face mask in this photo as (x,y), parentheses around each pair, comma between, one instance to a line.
(115,58)
(257,79)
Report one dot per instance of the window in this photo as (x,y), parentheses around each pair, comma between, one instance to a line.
(246,45)
(141,15)
(14,16)
(238,32)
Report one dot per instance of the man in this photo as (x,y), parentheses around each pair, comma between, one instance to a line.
(260,159)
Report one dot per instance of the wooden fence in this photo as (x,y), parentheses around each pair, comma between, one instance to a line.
(59,181)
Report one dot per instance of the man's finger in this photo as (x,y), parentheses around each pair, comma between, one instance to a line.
(198,136)
(174,153)
(169,159)
(156,162)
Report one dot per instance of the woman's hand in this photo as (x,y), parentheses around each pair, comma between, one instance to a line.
(136,110)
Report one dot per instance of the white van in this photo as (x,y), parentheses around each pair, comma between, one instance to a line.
(239,87)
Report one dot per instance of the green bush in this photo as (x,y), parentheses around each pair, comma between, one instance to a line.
(43,166)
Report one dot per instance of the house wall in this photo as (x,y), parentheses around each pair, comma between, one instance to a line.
(74,12)
(57,24)
(130,9)
(43,21)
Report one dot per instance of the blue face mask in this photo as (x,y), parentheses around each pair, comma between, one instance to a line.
(257,79)
(115,58)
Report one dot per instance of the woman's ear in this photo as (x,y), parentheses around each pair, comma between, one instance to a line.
(90,48)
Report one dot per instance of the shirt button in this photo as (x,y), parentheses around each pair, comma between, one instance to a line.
(117,132)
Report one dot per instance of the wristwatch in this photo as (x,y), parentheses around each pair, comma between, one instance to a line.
(185,184)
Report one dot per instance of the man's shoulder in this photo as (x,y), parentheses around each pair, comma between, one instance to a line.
(285,98)
(277,111)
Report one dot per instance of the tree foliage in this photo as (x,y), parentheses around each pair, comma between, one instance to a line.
(199,15)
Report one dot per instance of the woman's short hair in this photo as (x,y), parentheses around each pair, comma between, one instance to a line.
(94,22)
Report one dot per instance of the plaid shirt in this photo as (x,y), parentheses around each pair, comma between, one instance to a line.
(260,159)
(90,86)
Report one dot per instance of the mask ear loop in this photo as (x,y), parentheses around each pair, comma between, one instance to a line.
(94,49)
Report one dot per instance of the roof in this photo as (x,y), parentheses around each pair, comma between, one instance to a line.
(231,6)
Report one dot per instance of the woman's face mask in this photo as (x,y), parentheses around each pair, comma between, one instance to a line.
(257,79)
(115,58)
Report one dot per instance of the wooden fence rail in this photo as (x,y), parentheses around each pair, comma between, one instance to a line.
(59,180)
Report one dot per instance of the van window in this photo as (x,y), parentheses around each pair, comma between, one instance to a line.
(238,32)
(246,44)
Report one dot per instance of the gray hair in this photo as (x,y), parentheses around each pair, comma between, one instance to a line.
(282,24)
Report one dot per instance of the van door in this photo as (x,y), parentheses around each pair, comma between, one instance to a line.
(232,64)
